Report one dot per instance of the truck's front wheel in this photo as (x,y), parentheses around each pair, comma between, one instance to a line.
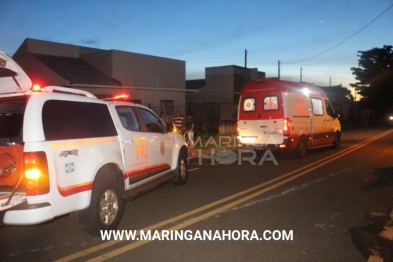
(336,142)
(181,170)
(106,205)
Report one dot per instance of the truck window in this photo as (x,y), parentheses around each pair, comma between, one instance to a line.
(73,120)
(249,104)
(329,108)
(270,103)
(11,118)
(152,122)
(128,118)
(317,106)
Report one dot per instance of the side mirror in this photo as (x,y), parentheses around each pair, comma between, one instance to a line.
(170,127)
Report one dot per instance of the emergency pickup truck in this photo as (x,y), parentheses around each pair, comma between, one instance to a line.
(63,151)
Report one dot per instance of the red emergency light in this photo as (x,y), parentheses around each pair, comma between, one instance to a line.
(121,97)
(36,88)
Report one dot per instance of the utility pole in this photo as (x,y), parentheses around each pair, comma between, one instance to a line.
(278,69)
(300,74)
(245,66)
(356,106)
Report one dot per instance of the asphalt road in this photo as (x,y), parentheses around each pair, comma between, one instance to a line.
(307,207)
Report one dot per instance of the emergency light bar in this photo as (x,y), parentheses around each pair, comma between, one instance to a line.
(121,97)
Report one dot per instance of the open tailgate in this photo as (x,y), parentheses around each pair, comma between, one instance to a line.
(11,175)
(13,80)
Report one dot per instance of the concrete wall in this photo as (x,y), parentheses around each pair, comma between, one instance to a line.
(223,84)
(39,73)
(143,71)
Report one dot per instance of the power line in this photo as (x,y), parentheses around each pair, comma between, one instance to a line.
(342,40)
(330,72)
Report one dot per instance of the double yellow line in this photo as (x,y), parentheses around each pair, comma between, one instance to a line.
(267,186)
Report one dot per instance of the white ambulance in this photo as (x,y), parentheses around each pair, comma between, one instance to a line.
(279,114)
(63,151)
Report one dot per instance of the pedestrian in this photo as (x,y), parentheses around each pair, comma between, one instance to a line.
(178,120)
(190,130)
(163,117)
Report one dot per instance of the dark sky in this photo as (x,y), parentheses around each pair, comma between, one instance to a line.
(213,33)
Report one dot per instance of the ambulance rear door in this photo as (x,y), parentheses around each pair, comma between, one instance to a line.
(261,119)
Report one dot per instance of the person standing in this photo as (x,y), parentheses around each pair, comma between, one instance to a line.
(190,130)
(178,120)
(163,117)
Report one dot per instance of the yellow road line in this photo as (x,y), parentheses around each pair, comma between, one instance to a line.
(308,168)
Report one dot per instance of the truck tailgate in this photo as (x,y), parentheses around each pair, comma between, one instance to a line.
(16,199)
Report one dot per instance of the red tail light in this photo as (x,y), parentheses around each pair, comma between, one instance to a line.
(286,128)
(36,173)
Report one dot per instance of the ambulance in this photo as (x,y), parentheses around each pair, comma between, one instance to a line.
(278,114)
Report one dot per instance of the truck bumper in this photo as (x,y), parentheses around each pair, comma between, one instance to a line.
(28,214)
(286,144)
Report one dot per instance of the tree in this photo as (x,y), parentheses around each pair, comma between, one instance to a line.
(375,79)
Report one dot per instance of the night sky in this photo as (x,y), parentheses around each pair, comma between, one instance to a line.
(214,33)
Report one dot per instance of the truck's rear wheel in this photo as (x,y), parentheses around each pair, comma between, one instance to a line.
(106,205)
(181,170)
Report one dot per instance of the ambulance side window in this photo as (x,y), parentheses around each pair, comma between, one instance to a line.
(270,103)
(317,106)
(249,104)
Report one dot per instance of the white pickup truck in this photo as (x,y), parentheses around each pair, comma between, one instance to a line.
(63,151)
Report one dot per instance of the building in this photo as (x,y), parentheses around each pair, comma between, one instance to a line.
(222,84)
(153,81)
(156,82)
(215,104)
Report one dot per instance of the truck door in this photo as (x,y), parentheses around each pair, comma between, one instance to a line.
(318,122)
(329,121)
(135,144)
(160,143)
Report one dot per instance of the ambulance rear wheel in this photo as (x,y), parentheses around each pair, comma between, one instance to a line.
(301,150)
